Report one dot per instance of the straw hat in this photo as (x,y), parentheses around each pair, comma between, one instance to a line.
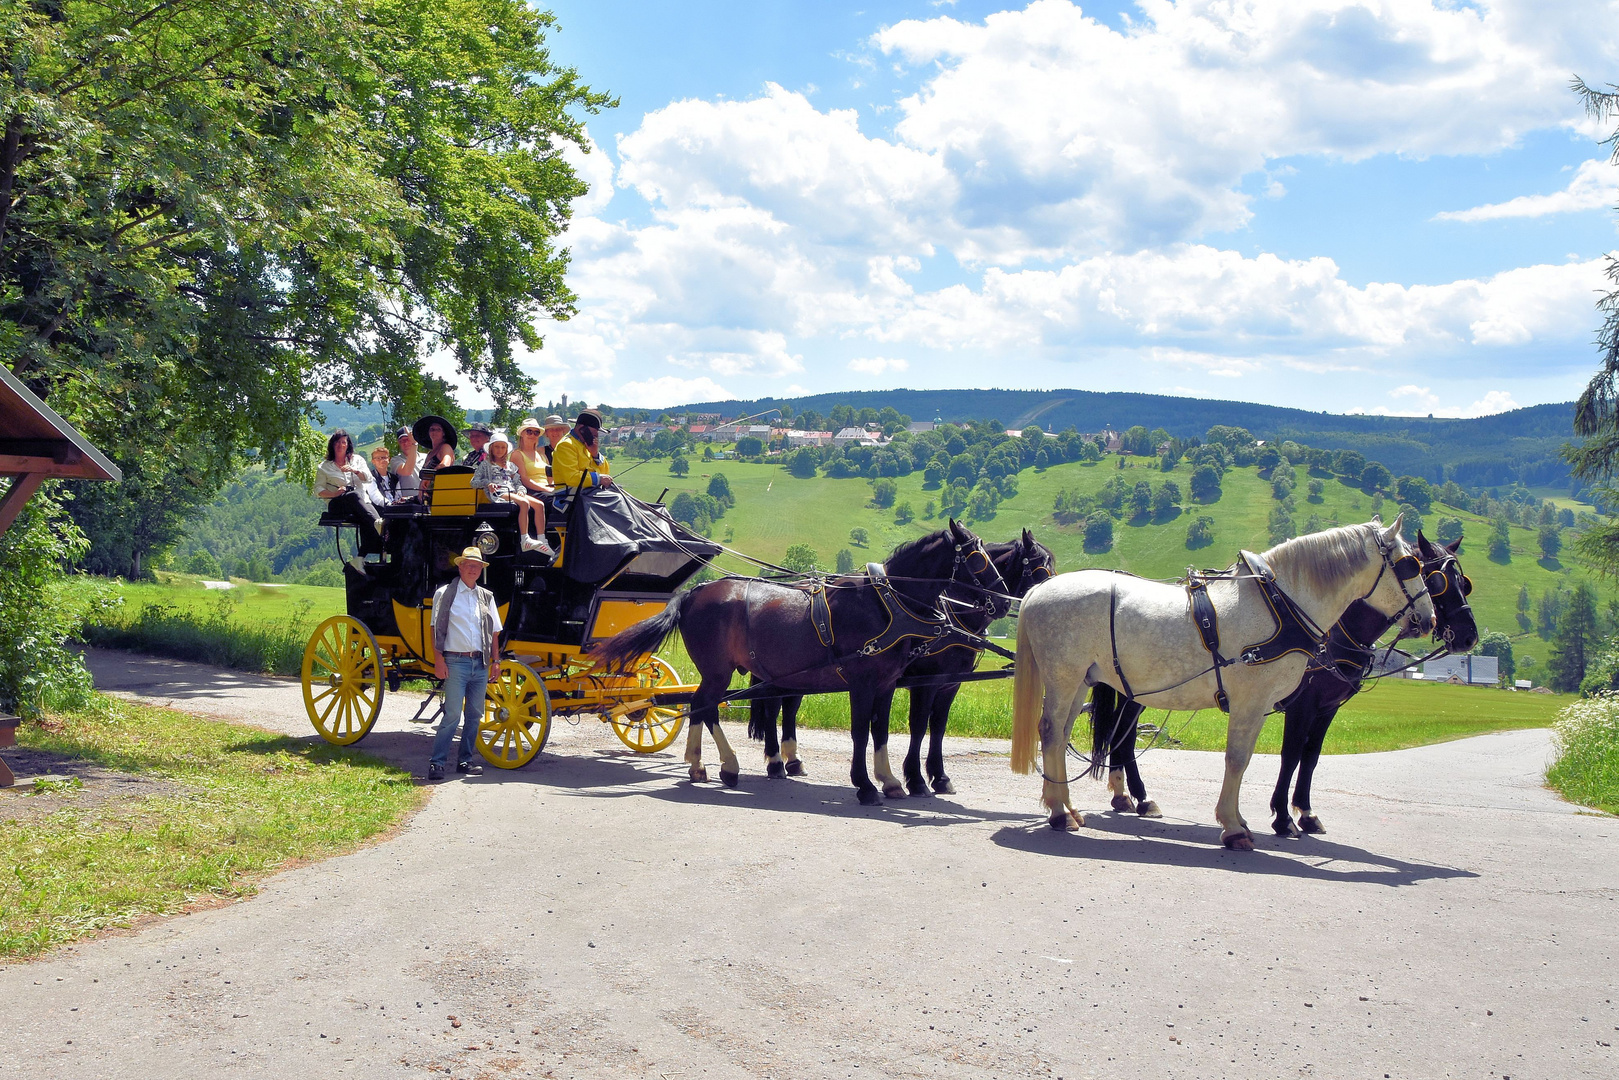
(470,554)
(529,423)
(555,421)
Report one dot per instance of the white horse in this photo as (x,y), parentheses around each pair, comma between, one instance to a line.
(1138,636)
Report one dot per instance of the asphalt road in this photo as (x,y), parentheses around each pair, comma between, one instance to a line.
(595,915)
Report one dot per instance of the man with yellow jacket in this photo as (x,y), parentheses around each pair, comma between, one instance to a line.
(576,461)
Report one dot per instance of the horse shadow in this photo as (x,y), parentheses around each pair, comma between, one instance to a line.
(617,774)
(1197,846)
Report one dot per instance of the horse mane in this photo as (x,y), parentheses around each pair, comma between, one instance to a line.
(1324,560)
(916,549)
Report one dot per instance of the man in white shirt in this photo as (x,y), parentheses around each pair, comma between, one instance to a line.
(466,655)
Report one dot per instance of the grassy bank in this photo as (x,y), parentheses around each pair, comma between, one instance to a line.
(1587,768)
(250,627)
(228,806)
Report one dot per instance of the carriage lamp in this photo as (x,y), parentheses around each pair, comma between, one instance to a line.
(485,538)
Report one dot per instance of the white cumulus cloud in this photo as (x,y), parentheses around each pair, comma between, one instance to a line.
(1592,187)
(668,390)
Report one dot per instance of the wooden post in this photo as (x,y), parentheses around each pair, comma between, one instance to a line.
(17,495)
(8,737)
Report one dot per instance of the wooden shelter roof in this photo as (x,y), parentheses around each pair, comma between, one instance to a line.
(34,440)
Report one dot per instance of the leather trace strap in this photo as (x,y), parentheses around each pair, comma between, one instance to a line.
(821,619)
(1208,628)
(904,621)
(1113,639)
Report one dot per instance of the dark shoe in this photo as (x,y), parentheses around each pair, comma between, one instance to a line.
(435,772)
(469,768)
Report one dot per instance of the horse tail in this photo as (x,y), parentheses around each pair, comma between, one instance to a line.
(761,713)
(1105,718)
(1028,695)
(642,638)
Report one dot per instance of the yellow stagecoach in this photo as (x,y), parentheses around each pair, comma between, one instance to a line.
(618,561)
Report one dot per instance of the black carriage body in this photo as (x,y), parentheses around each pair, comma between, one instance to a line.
(619,560)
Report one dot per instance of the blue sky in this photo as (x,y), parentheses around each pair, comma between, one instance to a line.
(1330,204)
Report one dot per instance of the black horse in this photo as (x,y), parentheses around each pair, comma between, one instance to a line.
(853,634)
(1309,710)
(1023,563)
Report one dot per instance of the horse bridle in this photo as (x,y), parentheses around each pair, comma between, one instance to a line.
(1045,566)
(989,595)
(1405,568)
(1438,582)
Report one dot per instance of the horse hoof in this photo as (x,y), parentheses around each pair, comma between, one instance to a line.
(893,791)
(1148,808)
(729,779)
(1062,823)
(943,786)
(795,768)
(919,788)
(1122,803)
(1239,841)
(699,775)
(775,770)
(869,796)
(1311,824)
(1283,826)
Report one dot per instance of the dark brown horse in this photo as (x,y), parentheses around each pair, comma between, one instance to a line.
(866,637)
(1022,563)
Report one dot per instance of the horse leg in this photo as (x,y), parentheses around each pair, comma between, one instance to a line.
(938,717)
(694,749)
(789,735)
(860,713)
(762,714)
(1308,822)
(1132,769)
(730,771)
(921,703)
(1057,715)
(892,788)
(1294,728)
(1242,732)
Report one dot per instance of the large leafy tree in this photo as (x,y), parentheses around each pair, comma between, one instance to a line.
(215,212)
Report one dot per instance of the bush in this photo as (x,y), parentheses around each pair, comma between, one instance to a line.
(1099,534)
(679,466)
(1449,530)
(41,611)
(1200,533)
(903,514)
(859,537)
(845,561)
(719,489)
(216,638)
(203,564)
(800,558)
(1316,488)
(883,493)
(1551,541)
(1500,541)
(749,446)
(1587,739)
(1205,484)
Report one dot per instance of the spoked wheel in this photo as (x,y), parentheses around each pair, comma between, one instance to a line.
(646,731)
(342,677)
(516,717)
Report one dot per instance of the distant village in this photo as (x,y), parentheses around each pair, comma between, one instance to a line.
(715,428)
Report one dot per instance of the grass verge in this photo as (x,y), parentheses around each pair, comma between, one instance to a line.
(234,804)
(1587,767)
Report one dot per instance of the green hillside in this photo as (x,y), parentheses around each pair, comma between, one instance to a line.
(775,510)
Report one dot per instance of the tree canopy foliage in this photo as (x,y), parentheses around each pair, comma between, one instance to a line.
(212,214)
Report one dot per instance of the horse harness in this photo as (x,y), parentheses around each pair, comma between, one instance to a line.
(933,630)
(1296,632)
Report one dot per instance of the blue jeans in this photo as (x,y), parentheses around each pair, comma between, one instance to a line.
(463,703)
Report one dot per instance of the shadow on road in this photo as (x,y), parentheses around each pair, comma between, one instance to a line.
(1128,840)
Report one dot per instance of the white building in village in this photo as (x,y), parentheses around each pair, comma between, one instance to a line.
(1473,670)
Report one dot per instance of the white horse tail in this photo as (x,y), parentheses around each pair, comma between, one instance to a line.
(1028,695)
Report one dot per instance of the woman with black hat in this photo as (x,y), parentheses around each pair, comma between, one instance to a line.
(439,434)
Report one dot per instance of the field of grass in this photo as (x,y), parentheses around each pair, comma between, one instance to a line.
(232,805)
(775,510)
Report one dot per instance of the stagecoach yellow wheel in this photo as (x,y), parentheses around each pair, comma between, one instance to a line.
(646,731)
(342,677)
(516,717)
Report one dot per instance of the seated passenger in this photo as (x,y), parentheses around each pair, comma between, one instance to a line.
(478,434)
(406,467)
(340,480)
(439,435)
(497,474)
(556,429)
(533,464)
(577,461)
(383,485)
